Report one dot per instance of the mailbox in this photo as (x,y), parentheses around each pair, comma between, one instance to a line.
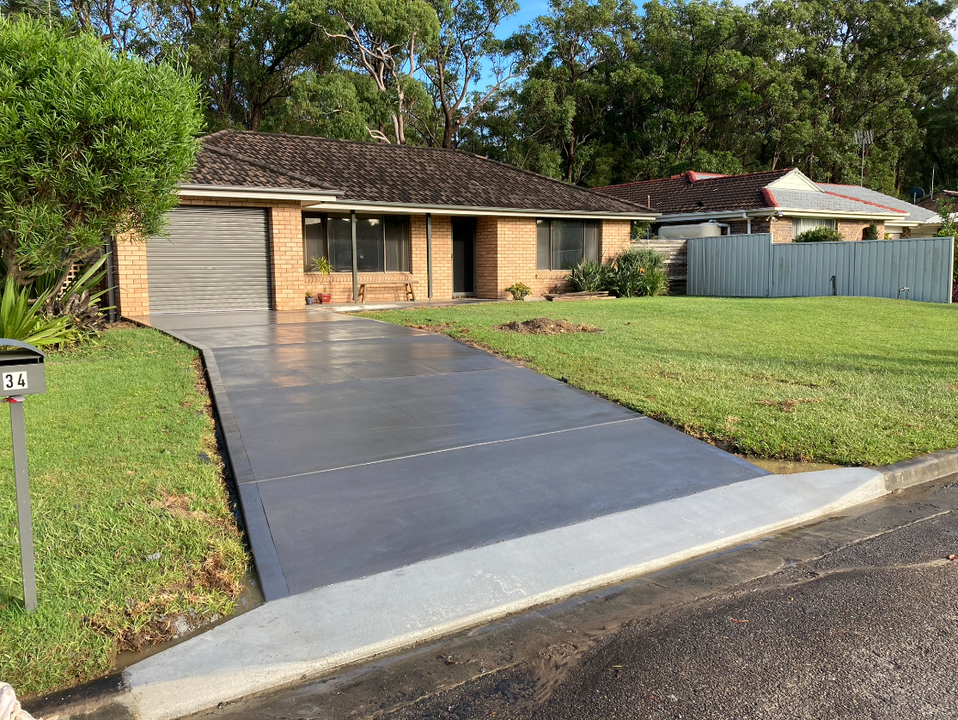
(22,373)
(21,369)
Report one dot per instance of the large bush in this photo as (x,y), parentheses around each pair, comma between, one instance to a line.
(632,273)
(93,145)
(820,234)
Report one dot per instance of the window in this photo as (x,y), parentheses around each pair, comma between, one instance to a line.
(382,242)
(563,244)
(800,225)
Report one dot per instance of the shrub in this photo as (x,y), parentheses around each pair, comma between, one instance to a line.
(820,234)
(518,290)
(638,273)
(25,319)
(590,276)
(870,232)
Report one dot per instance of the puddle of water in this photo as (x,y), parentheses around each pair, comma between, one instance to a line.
(788,467)
(249,598)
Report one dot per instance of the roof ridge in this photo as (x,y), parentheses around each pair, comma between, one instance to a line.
(428,148)
(271,168)
(635,182)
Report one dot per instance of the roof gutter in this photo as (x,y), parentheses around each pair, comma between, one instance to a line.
(336,205)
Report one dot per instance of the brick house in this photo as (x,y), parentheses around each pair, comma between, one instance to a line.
(784,203)
(259,208)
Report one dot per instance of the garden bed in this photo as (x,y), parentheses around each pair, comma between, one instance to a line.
(849,381)
(135,538)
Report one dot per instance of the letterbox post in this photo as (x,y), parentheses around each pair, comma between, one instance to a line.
(22,373)
(24,516)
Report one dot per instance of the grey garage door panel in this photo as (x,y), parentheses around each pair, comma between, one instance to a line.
(213,259)
(336,526)
(366,421)
(328,363)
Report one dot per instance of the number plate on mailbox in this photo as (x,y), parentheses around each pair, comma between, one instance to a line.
(15,381)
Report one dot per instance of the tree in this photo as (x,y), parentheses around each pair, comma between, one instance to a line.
(381,39)
(94,145)
(466,45)
(248,54)
(861,66)
(564,99)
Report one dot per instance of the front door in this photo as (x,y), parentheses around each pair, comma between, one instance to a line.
(463,256)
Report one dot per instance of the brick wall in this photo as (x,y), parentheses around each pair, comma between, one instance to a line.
(782,229)
(133,290)
(506,253)
(856,230)
(616,236)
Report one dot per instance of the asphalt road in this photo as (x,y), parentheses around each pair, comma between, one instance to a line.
(853,618)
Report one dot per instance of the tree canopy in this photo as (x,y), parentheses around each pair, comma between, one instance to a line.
(593,91)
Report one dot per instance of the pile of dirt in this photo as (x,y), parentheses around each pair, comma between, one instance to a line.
(545,326)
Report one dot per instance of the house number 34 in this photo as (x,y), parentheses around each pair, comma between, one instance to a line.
(14,381)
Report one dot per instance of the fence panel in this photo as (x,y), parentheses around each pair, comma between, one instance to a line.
(752,266)
(729,266)
(811,269)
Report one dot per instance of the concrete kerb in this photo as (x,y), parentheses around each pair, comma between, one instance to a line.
(295,638)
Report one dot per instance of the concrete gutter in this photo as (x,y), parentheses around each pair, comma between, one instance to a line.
(320,631)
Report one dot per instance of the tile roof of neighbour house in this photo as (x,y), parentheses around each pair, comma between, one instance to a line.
(374,173)
(699,192)
(695,193)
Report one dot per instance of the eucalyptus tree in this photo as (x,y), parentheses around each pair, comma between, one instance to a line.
(468,50)
(381,41)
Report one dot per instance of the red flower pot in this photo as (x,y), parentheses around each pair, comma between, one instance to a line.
(325,298)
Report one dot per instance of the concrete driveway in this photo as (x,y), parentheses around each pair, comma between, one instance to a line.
(361,447)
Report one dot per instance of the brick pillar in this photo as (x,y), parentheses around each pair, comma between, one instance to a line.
(441,256)
(133,290)
(286,257)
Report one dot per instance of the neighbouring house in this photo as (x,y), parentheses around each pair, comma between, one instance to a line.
(258,208)
(784,203)
(949,196)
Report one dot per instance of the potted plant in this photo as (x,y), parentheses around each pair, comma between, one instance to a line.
(309,298)
(322,266)
(519,290)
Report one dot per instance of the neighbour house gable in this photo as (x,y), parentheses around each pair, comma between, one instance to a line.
(365,173)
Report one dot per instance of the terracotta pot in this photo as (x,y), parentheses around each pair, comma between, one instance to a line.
(326,298)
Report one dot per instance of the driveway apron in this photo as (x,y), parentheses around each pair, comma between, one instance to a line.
(360,447)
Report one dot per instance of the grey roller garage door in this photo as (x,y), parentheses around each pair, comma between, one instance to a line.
(213,259)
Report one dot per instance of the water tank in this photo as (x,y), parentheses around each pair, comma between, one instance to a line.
(675,232)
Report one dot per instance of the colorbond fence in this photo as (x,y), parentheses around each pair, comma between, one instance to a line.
(753,266)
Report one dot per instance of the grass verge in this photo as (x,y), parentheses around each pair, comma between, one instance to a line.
(852,381)
(135,540)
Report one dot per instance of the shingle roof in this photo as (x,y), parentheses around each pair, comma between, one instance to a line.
(394,174)
(699,192)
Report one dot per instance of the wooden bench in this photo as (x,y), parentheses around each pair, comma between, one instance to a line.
(407,287)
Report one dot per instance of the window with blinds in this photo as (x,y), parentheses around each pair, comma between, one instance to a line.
(803,224)
(563,244)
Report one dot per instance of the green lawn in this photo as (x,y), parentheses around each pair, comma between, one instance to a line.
(131,517)
(853,381)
